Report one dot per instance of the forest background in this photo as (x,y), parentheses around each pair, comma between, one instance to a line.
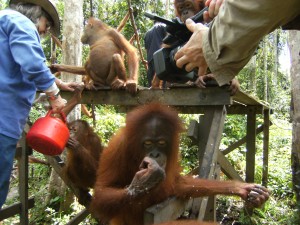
(267,77)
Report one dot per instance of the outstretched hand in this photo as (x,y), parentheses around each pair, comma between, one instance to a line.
(255,195)
(191,54)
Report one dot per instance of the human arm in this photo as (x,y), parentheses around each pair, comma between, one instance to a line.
(191,55)
(233,36)
(56,101)
(28,56)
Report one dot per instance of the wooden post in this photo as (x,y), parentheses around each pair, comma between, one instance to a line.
(23,180)
(210,132)
(250,146)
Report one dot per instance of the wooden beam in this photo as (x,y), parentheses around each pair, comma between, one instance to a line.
(210,132)
(251,147)
(57,164)
(244,139)
(168,210)
(227,168)
(79,217)
(237,109)
(14,209)
(193,131)
(23,180)
(210,214)
(175,97)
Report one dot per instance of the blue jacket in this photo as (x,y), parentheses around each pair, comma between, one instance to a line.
(22,71)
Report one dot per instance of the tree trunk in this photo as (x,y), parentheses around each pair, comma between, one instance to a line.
(275,46)
(72,47)
(167,8)
(252,74)
(294,45)
(72,55)
(265,73)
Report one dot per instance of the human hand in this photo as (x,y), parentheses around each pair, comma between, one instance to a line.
(213,9)
(57,104)
(234,86)
(191,54)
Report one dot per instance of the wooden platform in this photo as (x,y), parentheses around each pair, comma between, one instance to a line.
(212,104)
(189,100)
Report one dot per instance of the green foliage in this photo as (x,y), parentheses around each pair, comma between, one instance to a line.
(188,151)
(3,4)
(273,82)
(107,122)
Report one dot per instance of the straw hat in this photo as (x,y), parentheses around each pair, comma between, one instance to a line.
(49,8)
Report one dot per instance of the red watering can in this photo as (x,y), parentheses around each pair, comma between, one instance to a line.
(49,135)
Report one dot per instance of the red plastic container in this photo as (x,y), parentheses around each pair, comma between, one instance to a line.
(48,135)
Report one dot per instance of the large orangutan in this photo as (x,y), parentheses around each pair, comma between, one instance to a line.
(105,65)
(140,168)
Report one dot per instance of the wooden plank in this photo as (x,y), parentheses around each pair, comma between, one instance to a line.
(57,165)
(210,132)
(250,153)
(227,168)
(244,139)
(210,214)
(251,147)
(231,109)
(79,217)
(244,98)
(210,139)
(240,109)
(14,209)
(23,180)
(192,132)
(168,210)
(175,97)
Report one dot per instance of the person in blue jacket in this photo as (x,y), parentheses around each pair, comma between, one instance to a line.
(22,72)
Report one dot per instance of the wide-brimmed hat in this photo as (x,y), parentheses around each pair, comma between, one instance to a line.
(49,8)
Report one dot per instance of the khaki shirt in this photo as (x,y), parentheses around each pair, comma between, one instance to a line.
(237,30)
